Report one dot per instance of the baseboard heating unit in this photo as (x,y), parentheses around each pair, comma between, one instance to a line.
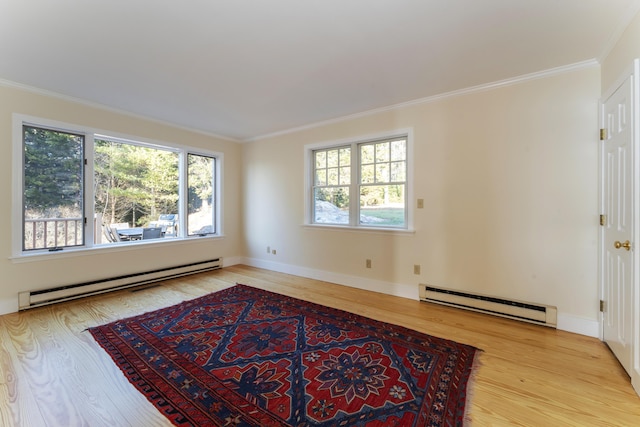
(527,312)
(39,298)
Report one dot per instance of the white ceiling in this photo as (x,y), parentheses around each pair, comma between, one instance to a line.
(247,68)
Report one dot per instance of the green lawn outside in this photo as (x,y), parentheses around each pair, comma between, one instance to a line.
(392,216)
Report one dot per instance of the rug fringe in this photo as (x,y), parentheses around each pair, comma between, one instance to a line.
(477,364)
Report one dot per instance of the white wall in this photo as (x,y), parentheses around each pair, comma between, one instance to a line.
(509,179)
(62,269)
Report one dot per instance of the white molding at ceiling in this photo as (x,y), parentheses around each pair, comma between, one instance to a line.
(623,22)
(52,94)
(474,89)
(430,99)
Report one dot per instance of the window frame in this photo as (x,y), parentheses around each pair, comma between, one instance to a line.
(90,135)
(80,163)
(354,186)
(184,216)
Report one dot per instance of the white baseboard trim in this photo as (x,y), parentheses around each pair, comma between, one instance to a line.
(579,325)
(395,289)
(9,305)
(568,323)
(229,261)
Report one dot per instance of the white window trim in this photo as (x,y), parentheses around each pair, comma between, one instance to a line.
(308,172)
(18,255)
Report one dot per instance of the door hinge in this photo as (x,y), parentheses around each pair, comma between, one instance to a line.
(603,134)
(603,219)
(602,306)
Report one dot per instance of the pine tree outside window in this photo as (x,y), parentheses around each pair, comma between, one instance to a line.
(80,189)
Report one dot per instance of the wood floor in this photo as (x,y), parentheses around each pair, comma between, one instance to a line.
(52,373)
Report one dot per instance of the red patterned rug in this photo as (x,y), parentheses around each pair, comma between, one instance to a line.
(247,357)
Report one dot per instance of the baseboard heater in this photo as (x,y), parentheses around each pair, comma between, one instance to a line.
(526,312)
(39,298)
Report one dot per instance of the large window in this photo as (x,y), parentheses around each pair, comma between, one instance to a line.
(361,184)
(134,186)
(83,189)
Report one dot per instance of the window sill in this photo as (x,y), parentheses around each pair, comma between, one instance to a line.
(107,248)
(360,229)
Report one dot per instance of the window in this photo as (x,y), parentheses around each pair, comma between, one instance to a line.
(134,186)
(52,205)
(332,177)
(132,190)
(373,173)
(200,180)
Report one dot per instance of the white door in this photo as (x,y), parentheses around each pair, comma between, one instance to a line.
(617,238)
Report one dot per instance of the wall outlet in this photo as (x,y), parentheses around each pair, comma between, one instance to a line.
(368,263)
(416,269)
(268,249)
(273,251)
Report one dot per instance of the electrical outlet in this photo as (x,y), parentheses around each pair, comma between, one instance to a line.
(416,269)
(268,249)
(368,263)
(273,251)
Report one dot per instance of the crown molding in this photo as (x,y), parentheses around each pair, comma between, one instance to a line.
(435,98)
(57,95)
(430,99)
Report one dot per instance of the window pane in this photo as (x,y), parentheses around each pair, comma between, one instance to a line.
(53,209)
(382,172)
(366,154)
(367,174)
(398,171)
(382,152)
(332,158)
(321,177)
(399,150)
(345,157)
(332,176)
(331,205)
(382,205)
(201,187)
(321,159)
(136,188)
(345,176)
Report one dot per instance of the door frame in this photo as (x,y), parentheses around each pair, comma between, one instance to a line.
(632,72)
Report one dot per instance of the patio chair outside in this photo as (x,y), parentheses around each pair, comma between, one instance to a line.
(168,223)
(152,233)
(110,234)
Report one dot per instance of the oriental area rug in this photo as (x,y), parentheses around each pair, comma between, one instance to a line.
(248,357)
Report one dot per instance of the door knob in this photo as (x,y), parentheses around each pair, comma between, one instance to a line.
(626,245)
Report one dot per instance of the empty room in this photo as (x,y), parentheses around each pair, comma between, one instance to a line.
(336,213)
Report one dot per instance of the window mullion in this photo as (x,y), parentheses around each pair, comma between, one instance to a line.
(90,229)
(354,190)
(183,191)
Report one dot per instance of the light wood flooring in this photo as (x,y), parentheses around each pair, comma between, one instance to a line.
(52,373)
